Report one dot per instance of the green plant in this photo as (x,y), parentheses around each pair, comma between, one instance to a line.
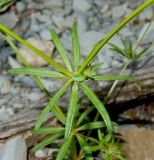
(4,4)
(75,128)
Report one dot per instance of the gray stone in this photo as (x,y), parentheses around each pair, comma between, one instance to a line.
(3,114)
(20,6)
(14,63)
(27,81)
(53,4)
(14,149)
(126,32)
(100,2)
(35,96)
(146,14)
(45,34)
(40,154)
(5,85)
(81,5)
(82,22)
(62,22)
(89,39)
(9,20)
(119,11)
(51,86)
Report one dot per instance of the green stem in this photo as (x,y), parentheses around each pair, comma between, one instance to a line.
(143,35)
(115,82)
(34,49)
(100,44)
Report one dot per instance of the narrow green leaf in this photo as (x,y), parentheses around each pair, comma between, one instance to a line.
(75,46)
(48,130)
(113,78)
(119,77)
(91,125)
(91,148)
(47,141)
(84,115)
(65,147)
(61,49)
(100,136)
(36,72)
(50,105)
(98,104)
(116,49)
(5,30)
(72,110)
(60,116)
(139,55)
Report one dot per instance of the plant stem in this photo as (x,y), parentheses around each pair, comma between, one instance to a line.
(100,44)
(115,82)
(143,35)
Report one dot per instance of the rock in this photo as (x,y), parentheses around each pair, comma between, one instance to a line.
(32,58)
(89,39)
(146,14)
(40,154)
(53,4)
(62,22)
(45,34)
(128,127)
(20,6)
(100,2)
(5,85)
(51,86)
(9,20)
(119,11)
(126,32)
(14,63)
(35,96)
(44,18)
(14,149)
(81,5)
(3,114)
(82,22)
(5,53)
(26,81)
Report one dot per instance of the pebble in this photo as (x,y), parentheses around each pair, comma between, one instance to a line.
(5,85)
(146,14)
(14,63)
(119,11)
(32,58)
(9,20)
(82,22)
(62,23)
(45,34)
(3,114)
(20,6)
(40,154)
(35,96)
(26,81)
(81,5)
(53,4)
(88,39)
(15,148)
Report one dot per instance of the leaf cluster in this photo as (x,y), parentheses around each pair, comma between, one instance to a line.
(75,127)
